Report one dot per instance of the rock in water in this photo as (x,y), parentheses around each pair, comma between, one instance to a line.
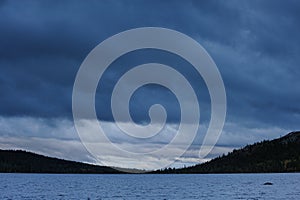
(268,183)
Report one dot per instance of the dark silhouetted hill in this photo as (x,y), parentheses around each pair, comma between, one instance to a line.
(27,162)
(279,155)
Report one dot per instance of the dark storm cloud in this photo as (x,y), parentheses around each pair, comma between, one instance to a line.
(254,44)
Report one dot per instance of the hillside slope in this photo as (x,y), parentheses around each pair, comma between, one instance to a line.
(279,155)
(27,162)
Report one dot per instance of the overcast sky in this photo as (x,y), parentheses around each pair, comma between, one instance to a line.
(255,45)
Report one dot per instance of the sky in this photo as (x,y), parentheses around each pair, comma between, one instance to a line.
(255,45)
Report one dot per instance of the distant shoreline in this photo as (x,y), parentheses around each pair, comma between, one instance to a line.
(280,155)
(150,173)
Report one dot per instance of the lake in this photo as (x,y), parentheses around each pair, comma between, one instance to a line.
(144,186)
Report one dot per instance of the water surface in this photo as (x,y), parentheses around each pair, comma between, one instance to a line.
(143,186)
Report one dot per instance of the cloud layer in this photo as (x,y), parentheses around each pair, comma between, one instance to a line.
(255,45)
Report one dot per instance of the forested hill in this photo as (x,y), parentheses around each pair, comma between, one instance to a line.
(279,155)
(26,162)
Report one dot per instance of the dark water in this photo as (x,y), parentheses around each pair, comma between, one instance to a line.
(222,186)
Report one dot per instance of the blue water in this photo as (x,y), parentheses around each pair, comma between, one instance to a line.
(142,186)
